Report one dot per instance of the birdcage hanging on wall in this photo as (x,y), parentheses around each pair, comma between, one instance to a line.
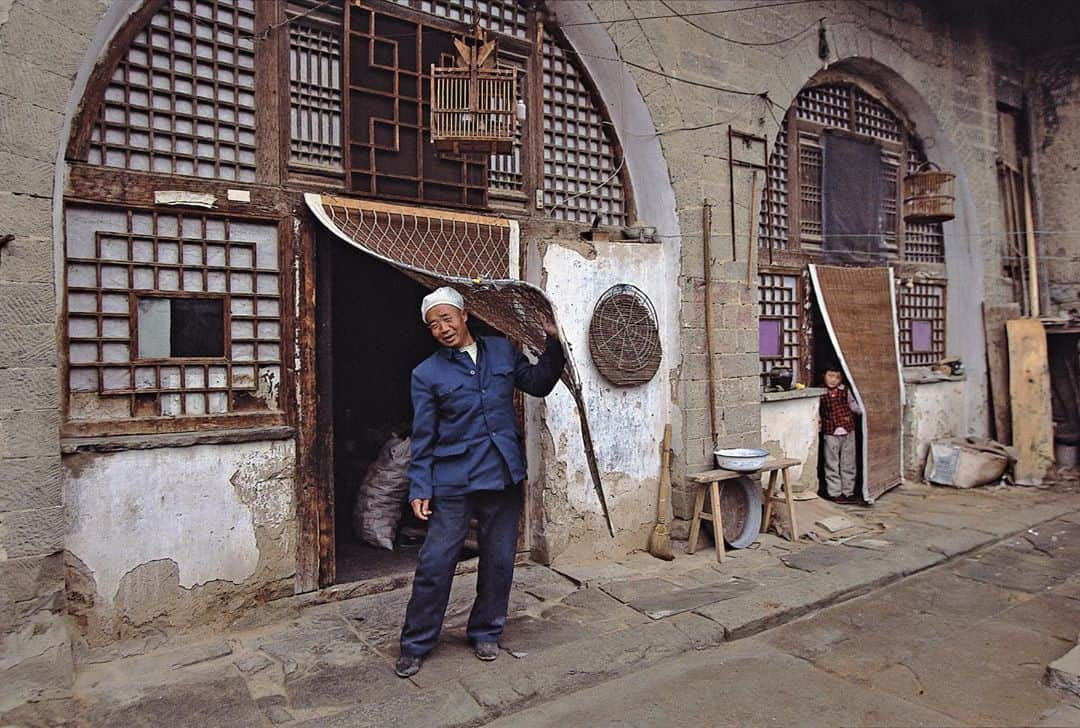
(929,195)
(475,107)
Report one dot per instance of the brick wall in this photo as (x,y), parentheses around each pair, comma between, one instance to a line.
(949,63)
(1056,106)
(42,43)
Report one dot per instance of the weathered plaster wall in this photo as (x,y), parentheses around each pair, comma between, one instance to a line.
(933,410)
(173,537)
(627,423)
(1056,109)
(789,428)
(43,46)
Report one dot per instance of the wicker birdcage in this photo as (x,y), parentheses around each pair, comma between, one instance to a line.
(474,105)
(929,195)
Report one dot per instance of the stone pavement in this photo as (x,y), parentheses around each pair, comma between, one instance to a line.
(967,643)
(308,661)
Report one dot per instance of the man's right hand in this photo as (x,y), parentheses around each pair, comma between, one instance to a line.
(421,508)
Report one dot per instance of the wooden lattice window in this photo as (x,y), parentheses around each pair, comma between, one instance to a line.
(501,16)
(810,187)
(390,150)
(773,225)
(779,322)
(850,109)
(143,287)
(505,171)
(384,63)
(581,162)
(921,321)
(315,95)
(182,99)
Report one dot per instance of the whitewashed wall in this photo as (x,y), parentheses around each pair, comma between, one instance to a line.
(627,422)
(151,530)
(789,428)
(933,410)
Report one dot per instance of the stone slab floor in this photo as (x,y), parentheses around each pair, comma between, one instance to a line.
(963,644)
(948,607)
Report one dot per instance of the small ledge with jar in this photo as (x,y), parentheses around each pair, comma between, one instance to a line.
(930,375)
(801,393)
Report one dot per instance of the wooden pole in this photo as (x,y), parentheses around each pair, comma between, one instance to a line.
(1029,228)
(706,235)
(751,249)
(731,190)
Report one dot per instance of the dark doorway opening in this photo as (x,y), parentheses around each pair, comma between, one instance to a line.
(377,340)
(824,357)
(374,339)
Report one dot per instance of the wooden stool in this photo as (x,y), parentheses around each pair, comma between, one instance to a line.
(712,481)
(771,496)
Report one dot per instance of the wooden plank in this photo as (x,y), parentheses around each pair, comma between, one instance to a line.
(1029,389)
(860,315)
(308,444)
(162,425)
(270,52)
(719,474)
(424,212)
(117,187)
(997,361)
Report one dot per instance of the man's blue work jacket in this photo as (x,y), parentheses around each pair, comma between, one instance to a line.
(465,436)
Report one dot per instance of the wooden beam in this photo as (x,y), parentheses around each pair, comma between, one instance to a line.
(304,391)
(118,187)
(1032,255)
(997,360)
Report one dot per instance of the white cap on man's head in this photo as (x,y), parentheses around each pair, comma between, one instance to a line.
(446,294)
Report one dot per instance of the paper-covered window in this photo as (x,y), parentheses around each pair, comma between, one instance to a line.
(170,315)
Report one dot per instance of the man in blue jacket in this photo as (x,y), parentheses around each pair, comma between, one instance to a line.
(467,461)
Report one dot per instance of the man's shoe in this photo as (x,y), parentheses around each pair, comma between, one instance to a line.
(407,665)
(487,651)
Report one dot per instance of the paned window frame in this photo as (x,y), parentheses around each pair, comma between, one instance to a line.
(921,300)
(109,387)
(781,297)
(275,193)
(526,183)
(788,242)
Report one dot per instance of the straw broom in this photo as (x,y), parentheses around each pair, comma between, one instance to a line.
(660,540)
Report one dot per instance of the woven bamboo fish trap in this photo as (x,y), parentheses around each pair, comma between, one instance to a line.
(929,195)
(623,336)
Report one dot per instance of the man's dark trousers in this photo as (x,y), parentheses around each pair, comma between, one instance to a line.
(497,513)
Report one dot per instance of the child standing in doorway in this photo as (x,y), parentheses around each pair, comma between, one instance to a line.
(838,409)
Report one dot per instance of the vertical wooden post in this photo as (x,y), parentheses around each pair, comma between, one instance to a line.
(1029,228)
(706,236)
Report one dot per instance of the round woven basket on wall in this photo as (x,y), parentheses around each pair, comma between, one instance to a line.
(623,336)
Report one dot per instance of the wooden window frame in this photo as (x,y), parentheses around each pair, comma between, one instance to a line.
(138,360)
(798,250)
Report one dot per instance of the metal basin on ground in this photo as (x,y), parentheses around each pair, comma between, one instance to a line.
(740,507)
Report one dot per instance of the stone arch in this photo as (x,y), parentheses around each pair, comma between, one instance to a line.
(963,257)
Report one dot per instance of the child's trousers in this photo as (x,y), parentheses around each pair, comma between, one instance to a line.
(840,465)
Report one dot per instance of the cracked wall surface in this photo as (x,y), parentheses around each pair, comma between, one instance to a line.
(931,412)
(789,428)
(627,423)
(43,47)
(160,540)
(1057,143)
